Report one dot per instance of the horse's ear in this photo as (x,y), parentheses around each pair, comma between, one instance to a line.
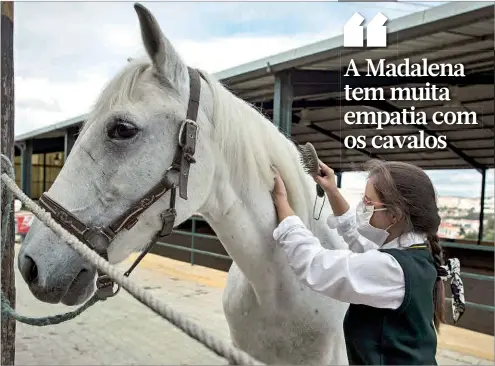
(161,52)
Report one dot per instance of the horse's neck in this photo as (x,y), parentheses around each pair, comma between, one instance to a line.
(243,215)
(244,223)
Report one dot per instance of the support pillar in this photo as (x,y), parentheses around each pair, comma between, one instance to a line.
(282,102)
(27,167)
(44,172)
(482,205)
(69,141)
(7,95)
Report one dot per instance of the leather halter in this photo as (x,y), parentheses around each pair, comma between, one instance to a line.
(99,238)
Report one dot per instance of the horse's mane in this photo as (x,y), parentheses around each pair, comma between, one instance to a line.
(243,135)
(253,144)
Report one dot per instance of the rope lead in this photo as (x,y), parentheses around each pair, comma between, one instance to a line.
(234,355)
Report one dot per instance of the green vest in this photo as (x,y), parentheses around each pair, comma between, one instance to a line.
(405,336)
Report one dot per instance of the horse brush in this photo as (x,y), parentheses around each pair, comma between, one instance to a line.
(310,162)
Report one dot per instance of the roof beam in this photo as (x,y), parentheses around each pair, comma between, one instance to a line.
(333,102)
(52,144)
(458,44)
(314,82)
(302,103)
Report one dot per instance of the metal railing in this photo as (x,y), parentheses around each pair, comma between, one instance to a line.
(192,250)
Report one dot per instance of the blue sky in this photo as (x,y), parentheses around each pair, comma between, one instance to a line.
(66,51)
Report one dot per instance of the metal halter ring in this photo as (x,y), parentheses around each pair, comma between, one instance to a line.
(104,287)
(181,130)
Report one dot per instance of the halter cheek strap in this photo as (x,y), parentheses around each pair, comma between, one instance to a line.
(176,176)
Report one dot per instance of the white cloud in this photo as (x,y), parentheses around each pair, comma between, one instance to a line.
(69,100)
(232,51)
(65,52)
(74,97)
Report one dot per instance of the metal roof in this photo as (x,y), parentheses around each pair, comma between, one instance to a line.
(437,19)
(54,130)
(457,32)
(451,33)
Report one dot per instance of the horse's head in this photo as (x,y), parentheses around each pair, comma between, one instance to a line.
(133,153)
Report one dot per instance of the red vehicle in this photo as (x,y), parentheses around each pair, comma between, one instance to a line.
(23,221)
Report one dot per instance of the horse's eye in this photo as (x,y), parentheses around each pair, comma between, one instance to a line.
(122,130)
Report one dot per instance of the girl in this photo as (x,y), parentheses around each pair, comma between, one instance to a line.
(391,276)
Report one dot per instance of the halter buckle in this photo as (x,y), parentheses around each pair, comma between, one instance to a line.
(98,240)
(104,287)
(184,128)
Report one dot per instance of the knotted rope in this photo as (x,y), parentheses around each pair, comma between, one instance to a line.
(234,355)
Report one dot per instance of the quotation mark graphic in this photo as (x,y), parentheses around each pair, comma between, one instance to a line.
(376,31)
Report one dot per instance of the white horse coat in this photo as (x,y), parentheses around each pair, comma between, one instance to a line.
(271,315)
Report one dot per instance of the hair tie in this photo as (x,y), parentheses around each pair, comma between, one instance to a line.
(452,269)
(442,272)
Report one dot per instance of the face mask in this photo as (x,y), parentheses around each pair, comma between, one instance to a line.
(363,216)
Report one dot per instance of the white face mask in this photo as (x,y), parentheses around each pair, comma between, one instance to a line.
(363,216)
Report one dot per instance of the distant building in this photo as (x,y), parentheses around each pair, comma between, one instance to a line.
(460,203)
(447,230)
(467,224)
(490,205)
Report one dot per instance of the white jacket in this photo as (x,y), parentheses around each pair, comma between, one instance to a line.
(361,275)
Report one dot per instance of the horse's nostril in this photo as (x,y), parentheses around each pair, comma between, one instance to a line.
(83,272)
(30,269)
(80,275)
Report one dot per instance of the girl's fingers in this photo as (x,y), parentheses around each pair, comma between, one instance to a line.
(325,168)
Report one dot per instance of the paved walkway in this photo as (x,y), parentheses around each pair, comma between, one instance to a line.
(124,332)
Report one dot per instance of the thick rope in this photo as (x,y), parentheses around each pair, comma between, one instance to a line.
(234,355)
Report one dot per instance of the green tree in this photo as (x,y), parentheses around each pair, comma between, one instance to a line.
(472,235)
(489,230)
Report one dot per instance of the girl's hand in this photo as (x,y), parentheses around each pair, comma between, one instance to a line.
(328,181)
(279,195)
(279,191)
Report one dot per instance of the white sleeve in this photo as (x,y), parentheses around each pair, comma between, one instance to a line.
(373,278)
(346,227)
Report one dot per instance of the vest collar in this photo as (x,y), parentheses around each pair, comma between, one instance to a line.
(405,241)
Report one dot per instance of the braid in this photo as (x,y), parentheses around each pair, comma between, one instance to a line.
(438,289)
(436,250)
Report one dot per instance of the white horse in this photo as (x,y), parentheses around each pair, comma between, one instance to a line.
(124,148)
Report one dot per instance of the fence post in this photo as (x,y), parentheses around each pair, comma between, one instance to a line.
(7,148)
(193,232)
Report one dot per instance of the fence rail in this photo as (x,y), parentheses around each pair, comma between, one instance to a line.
(192,250)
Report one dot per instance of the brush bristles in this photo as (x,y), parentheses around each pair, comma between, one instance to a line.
(309,159)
